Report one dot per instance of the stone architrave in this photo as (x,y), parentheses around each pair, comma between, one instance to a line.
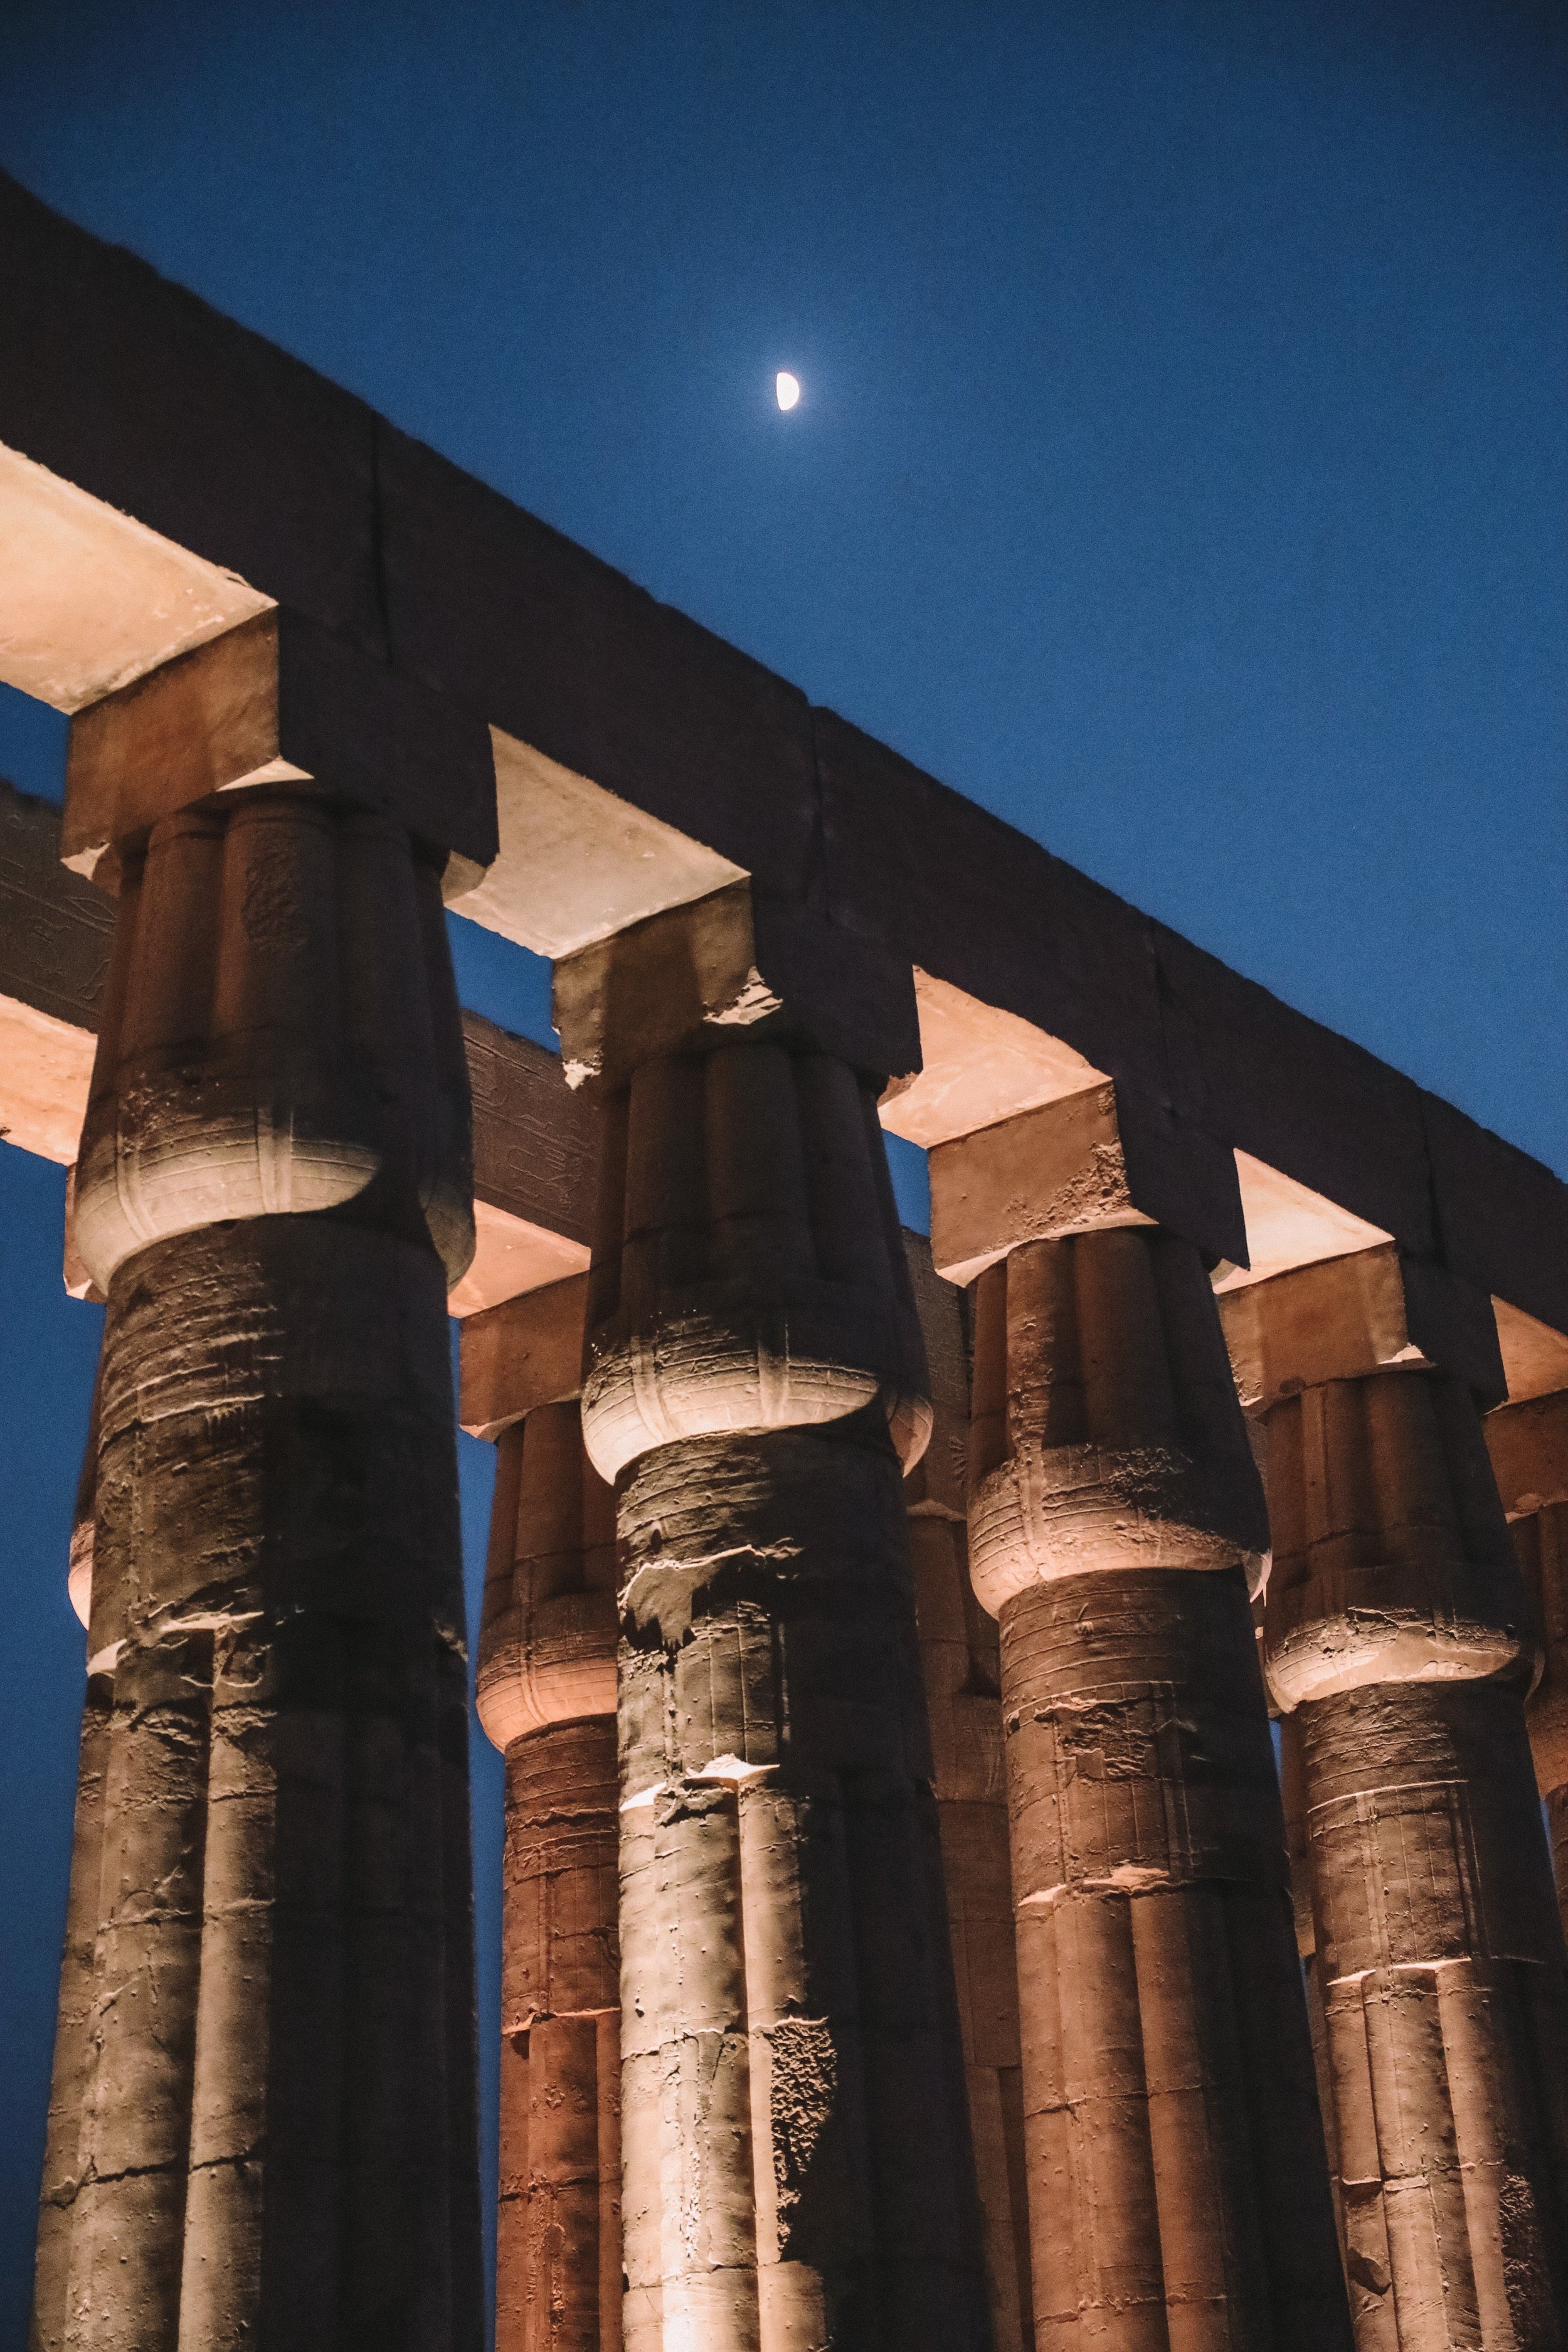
(1176,2180)
(797,2164)
(1527,1443)
(963,1702)
(1398,1639)
(547,1700)
(273,2128)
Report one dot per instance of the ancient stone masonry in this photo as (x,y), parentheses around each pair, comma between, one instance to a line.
(1177,2192)
(75,2037)
(547,1700)
(1399,1638)
(270,2053)
(796,2163)
(898,1890)
(1528,1440)
(963,1680)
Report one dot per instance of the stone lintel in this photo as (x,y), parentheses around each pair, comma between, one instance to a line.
(1372,1310)
(534,1162)
(979,1064)
(1287,1225)
(525,1352)
(1534,1356)
(576,863)
(690,979)
(151,422)
(46,1067)
(54,953)
(1105,1157)
(92,598)
(1527,1443)
(279,699)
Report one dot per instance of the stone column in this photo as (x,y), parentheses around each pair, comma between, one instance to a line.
(1397,1635)
(1527,1443)
(1177,2184)
(796,2167)
(73,2034)
(275,2128)
(963,1701)
(547,1700)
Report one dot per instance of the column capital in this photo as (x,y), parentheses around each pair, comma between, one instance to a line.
(737,966)
(1373,1310)
(1106,1157)
(280,698)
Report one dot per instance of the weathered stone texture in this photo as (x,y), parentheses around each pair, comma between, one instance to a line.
(796,2156)
(1397,1630)
(1177,2192)
(277,2112)
(547,1700)
(1528,1447)
(964,1706)
(274,2137)
(279,1033)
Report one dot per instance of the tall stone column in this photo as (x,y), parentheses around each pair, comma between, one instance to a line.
(1398,1637)
(274,2131)
(1177,2184)
(796,2167)
(547,1700)
(75,2025)
(963,1701)
(1527,1443)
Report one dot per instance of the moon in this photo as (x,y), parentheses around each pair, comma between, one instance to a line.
(787,388)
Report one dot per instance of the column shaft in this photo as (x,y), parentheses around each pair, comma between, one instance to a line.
(1177,2188)
(797,2170)
(1527,1443)
(1397,1630)
(547,1694)
(275,2133)
(961,1668)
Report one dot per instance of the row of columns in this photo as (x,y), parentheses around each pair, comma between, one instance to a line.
(1143,2074)
(882,1970)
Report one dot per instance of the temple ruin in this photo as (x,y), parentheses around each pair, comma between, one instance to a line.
(917,1935)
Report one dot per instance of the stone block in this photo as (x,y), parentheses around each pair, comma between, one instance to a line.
(511,620)
(979,905)
(1371,1311)
(1528,1447)
(1535,1357)
(92,597)
(526,1352)
(511,1256)
(1293,1094)
(1503,1217)
(691,979)
(157,404)
(54,952)
(277,698)
(535,1154)
(979,1064)
(54,927)
(576,861)
(1105,1157)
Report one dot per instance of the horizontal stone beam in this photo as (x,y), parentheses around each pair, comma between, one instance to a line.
(279,697)
(655,762)
(533,1150)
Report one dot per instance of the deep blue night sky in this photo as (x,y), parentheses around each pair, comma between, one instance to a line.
(1181,472)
